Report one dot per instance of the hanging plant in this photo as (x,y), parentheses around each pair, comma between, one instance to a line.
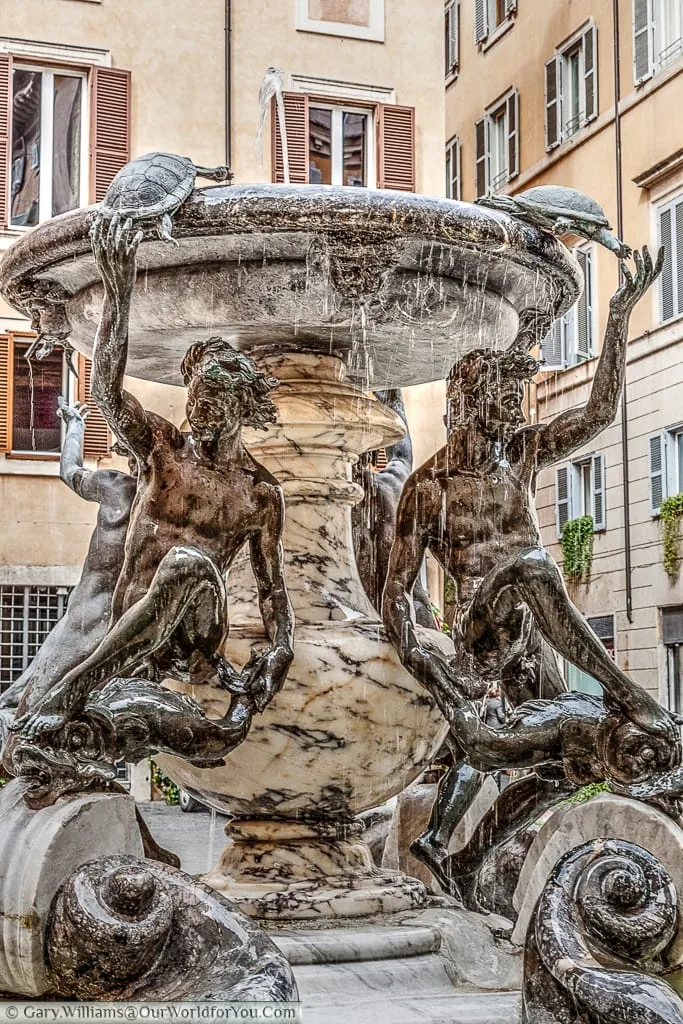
(167,786)
(670,514)
(577,549)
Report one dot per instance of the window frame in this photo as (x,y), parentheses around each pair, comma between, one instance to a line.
(575,500)
(558,126)
(374,31)
(62,594)
(337,139)
(485,33)
(452,38)
(48,71)
(565,332)
(502,105)
(67,389)
(453,160)
(670,471)
(672,272)
(569,667)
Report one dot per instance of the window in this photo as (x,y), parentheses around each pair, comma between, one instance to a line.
(672,635)
(337,143)
(571,88)
(580,491)
(571,339)
(339,150)
(453,169)
(657,35)
(64,133)
(37,385)
(670,217)
(27,614)
(355,19)
(665,466)
(49,158)
(603,627)
(490,15)
(29,424)
(497,144)
(452,36)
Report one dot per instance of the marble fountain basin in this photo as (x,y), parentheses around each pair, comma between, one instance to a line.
(335,291)
(397,284)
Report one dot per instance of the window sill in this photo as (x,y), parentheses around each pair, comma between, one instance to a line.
(15,464)
(500,31)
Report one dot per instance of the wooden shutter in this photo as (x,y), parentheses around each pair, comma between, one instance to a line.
(96,442)
(396,128)
(480,157)
(296,127)
(5,136)
(563,496)
(668,283)
(5,393)
(109,127)
(657,470)
(453,169)
(452,36)
(599,492)
(583,335)
(552,103)
(513,134)
(510,7)
(481,20)
(590,73)
(552,348)
(643,42)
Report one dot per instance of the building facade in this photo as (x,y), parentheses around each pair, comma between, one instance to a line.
(85,84)
(584,94)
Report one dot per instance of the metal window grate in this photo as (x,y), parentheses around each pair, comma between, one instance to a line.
(27,615)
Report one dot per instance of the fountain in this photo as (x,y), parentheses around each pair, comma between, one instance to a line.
(334,291)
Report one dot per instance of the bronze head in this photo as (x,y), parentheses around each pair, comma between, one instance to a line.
(224,386)
(488,387)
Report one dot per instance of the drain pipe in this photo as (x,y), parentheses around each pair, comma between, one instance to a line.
(228,76)
(628,569)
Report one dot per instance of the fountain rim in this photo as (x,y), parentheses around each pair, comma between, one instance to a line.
(373,214)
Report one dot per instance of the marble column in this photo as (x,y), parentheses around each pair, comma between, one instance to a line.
(351,728)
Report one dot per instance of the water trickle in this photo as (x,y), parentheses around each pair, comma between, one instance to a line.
(272,86)
(212,837)
(31,405)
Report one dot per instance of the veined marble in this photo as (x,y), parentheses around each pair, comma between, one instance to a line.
(351,728)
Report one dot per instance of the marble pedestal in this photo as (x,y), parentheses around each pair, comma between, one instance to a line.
(351,727)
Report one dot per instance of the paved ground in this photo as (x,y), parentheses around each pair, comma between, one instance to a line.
(197,838)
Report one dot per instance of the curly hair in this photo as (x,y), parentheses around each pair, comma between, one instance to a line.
(227,369)
(483,368)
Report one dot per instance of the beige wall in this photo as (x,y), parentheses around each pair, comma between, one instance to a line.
(650,134)
(175,51)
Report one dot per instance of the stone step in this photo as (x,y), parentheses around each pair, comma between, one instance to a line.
(385,975)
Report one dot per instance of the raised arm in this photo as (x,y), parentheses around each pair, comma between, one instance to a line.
(71,468)
(268,673)
(576,427)
(114,246)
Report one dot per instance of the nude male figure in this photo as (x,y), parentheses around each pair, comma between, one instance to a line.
(86,619)
(200,497)
(472,506)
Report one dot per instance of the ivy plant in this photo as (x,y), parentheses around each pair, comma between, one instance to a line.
(577,549)
(670,513)
(168,788)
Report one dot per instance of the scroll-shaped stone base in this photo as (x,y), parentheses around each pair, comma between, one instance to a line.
(608,909)
(84,916)
(283,870)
